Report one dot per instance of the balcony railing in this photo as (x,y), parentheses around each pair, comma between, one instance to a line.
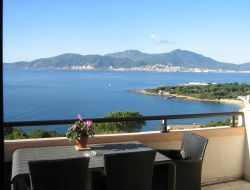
(163,118)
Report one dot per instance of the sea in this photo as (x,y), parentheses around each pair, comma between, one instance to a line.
(31,95)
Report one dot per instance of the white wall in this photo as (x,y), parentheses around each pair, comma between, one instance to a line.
(246,166)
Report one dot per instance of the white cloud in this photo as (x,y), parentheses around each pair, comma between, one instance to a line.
(156,38)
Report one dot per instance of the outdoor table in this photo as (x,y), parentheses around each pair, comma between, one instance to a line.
(21,157)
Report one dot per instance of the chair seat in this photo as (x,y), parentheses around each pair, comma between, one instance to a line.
(188,161)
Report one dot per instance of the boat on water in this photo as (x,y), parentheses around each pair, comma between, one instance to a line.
(169,97)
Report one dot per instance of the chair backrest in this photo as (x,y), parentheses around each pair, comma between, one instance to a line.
(129,171)
(63,174)
(193,146)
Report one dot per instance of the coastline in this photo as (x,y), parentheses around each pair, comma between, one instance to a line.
(225,101)
(152,68)
(137,69)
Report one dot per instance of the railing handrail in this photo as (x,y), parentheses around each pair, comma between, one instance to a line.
(120,119)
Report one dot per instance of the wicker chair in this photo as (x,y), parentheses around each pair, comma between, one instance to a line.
(129,171)
(188,163)
(63,174)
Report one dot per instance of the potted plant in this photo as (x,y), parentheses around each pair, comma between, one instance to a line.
(80,131)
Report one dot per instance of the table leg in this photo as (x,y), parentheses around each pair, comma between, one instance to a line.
(89,181)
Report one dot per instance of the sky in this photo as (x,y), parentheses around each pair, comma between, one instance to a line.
(34,29)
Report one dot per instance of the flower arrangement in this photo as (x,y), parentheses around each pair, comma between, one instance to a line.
(80,129)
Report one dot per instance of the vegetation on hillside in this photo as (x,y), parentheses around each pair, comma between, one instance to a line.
(210,91)
(226,122)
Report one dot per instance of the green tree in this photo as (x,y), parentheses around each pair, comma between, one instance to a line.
(8,130)
(226,122)
(119,127)
(16,133)
(38,133)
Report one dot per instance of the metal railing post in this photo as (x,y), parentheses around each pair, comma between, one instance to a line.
(233,121)
(164,128)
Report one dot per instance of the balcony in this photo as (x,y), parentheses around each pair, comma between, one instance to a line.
(227,159)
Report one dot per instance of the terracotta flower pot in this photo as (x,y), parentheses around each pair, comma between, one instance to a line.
(82,142)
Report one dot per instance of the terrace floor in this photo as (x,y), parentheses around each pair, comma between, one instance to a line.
(232,185)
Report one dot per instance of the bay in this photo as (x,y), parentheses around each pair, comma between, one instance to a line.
(62,94)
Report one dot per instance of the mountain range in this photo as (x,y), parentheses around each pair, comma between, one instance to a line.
(131,59)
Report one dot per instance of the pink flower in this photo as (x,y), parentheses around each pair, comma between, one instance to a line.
(79,117)
(88,123)
(74,127)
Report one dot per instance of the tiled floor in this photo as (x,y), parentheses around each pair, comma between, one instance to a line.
(232,185)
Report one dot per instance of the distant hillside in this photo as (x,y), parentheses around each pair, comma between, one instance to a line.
(176,58)
(245,66)
(68,60)
(130,54)
(131,59)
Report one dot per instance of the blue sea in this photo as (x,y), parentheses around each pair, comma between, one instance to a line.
(62,94)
